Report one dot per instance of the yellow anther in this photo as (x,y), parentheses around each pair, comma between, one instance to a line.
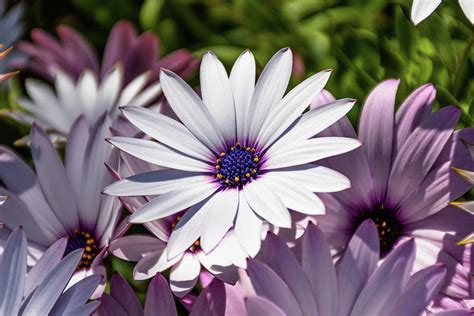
(87,235)
(218,160)
(236,179)
(256,159)
(222,154)
(218,167)
(247,175)
(247,149)
(384,224)
(254,171)
(232,148)
(88,249)
(219,176)
(89,257)
(253,150)
(84,256)
(237,144)
(227,181)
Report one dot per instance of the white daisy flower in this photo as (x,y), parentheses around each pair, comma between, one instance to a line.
(421,9)
(242,154)
(57,110)
(151,252)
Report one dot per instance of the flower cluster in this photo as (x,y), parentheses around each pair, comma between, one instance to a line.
(236,197)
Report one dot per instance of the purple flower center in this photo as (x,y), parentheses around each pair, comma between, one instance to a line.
(237,166)
(86,241)
(387,223)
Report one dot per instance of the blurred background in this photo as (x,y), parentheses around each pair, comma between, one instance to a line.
(364,41)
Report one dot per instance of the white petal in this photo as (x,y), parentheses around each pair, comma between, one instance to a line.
(270,88)
(242,81)
(191,111)
(173,202)
(248,228)
(154,183)
(315,121)
(66,92)
(310,150)
(147,95)
(135,247)
(3,198)
(267,204)
(188,229)
(12,273)
(183,276)
(109,91)
(152,263)
(133,88)
(421,9)
(87,89)
(167,131)
(313,177)
(296,198)
(467,7)
(219,219)
(218,263)
(291,107)
(217,95)
(158,154)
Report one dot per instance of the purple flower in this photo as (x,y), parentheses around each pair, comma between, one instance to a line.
(280,284)
(402,179)
(72,54)
(41,291)
(123,301)
(62,200)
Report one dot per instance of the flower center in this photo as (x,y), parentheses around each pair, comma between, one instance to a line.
(85,240)
(388,226)
(237,166)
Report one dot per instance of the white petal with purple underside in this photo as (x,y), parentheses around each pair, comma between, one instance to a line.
(313,177)
(172,202)
(158,154)
(315,121)
(291,107)
(217,95)
(191,111)
(248,227)
(154,183)
(183,276)
(269,90)
(266,203)
(421,9)
(307,151)
(167,130)
(219,219)
(242,81)
(189,227)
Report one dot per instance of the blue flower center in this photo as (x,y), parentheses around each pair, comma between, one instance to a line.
(237,166)
(388,226)
(83,240)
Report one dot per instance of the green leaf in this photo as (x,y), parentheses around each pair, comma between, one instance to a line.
(150,13)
